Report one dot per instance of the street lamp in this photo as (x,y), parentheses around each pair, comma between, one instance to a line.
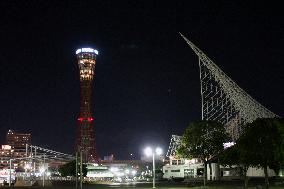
(148,152)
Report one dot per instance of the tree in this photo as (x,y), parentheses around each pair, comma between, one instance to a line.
(69,169)
(237,156)
(261,145)
(203,140)
(263,140)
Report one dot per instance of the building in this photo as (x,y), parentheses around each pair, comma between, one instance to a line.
(85,140)
(115,170)
(15,147)
(18,140)
(109,158)
(183,168)
(179,169)
(6,153)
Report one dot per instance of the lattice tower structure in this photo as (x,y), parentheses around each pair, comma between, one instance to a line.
(223,100)
(174,145)
(85,140)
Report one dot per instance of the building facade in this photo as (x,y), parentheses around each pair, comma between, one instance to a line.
(15,147)
(187,169)
(18,140)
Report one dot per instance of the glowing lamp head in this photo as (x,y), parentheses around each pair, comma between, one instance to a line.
(148,151)
(159,151)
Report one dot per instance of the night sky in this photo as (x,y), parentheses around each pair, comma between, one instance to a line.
(146,85)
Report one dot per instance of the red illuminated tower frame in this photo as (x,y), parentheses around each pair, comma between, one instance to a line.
(85,140)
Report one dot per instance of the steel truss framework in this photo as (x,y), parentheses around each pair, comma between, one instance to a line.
(223,100)
(39,152)
(174,144)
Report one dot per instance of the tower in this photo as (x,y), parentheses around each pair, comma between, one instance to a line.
(85,140)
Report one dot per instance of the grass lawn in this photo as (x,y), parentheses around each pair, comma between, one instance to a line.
(225,185)
(125,187)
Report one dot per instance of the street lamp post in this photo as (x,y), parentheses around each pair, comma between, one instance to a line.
(81,169)
(43,178)
(76,170)
(154,173)
(149,152)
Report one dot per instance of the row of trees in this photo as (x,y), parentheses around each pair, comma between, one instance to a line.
(69,169)
(261,145)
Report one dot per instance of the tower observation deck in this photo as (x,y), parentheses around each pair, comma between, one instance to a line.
(85,140)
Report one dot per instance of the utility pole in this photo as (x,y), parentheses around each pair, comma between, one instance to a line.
(43,170)
(26,161)
(10,173)
(154,174)
(31,155)
(81,170)
(76,170)
(26,150)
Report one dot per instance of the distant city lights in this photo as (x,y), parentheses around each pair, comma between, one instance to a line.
(133,172)
(114,169)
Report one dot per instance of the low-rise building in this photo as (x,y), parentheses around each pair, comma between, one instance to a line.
(194,168)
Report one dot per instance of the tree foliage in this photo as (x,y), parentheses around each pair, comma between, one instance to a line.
(237,156)
(203,140)
(263,140)
(69,169)
(261,145)
(230,156)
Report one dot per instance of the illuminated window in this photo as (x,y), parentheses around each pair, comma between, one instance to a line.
(188,173)
(177,170)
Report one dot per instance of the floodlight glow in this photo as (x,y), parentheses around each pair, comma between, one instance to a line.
(114,169)
(41,170)
(119,174)
(119,179)
(133,172)
(127,171)
(148,151)
(27,166)
(159,151)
